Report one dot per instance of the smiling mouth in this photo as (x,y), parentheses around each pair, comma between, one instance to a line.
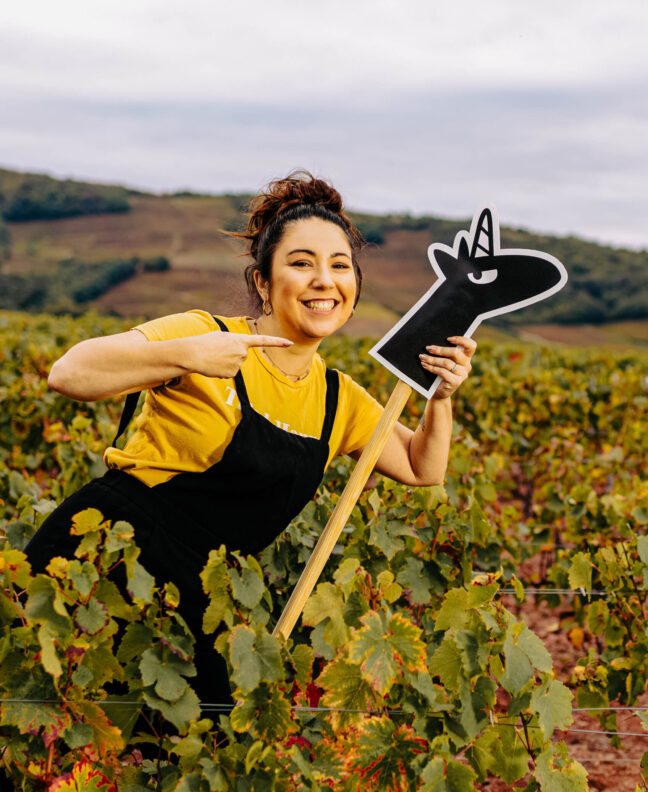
(320,306)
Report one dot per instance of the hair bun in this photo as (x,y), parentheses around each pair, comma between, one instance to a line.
(298,196)
(299,187)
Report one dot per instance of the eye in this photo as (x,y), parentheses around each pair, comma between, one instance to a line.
(300,263)
(341,265)
(486,276)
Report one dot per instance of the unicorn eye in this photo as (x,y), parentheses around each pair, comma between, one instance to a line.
(486,276)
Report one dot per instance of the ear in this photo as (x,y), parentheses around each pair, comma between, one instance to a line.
(262,285)
(446,262)
(464,251)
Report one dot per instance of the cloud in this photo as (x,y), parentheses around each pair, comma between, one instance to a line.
(409,106)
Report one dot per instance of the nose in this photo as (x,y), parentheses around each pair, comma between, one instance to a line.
(323,277)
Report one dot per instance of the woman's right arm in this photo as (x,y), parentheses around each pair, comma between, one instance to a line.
(114,365)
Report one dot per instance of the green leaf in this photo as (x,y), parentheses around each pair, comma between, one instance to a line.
(383,535)
(254,658)
(535,650)
(501,752)
(415,578)
(345,688)
(447,664)
(83,576)
(580,572)
(390,590)
(119,535)
(354,609)
(327,602)
(103,665)
(480,594)
(383,646)
(105,736)
(481,529)
(387,754)
(166,671)
(265,714)
(45,605)
(248,587)
(219,606)
(268,649)
(140,583)
(254,755)
(48,720)
(556,773)
(302,658)
(180,712)
(422,682)
(137,637)
(78,735)
(93,617)
(642,548)
(124,716)
(553,703)
(274,721)
(49,658)
(447,775)
(519,671)
(108,593)
(86,521)
(215,775)
(454,610)
(189,783)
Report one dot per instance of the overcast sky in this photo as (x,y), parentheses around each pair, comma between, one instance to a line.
(540,108)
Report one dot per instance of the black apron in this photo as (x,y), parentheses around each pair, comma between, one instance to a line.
(264,479)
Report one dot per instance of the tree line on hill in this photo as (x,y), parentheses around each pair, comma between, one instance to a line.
(35,196)
(605,283)
(72,284)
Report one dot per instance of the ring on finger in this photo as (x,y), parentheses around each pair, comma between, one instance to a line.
(453,368)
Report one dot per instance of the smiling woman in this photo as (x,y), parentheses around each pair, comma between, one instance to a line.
(241,415)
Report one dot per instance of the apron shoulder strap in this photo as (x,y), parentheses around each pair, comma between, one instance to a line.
(130,405)
(332,391)
(241,390)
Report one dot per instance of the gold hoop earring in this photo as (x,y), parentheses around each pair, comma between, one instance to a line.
(267,307)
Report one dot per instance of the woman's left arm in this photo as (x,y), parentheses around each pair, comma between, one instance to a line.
(420,458)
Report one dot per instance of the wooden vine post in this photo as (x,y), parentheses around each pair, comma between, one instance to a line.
(343,509)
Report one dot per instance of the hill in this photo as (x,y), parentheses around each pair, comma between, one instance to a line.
(204,266)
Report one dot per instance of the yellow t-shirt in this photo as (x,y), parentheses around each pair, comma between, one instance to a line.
(185,425)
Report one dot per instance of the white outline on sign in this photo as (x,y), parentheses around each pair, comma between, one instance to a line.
(468,236)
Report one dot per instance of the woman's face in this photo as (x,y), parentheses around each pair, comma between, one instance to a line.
(312,281)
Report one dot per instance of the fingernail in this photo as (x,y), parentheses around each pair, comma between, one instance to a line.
(432,349)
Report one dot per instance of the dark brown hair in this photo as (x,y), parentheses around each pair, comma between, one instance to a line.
(297,197)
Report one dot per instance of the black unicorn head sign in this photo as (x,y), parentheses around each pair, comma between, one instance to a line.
(476,280)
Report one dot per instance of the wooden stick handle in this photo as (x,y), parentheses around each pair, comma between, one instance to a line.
(343,509)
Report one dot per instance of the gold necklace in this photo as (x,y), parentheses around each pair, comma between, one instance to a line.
(294,377)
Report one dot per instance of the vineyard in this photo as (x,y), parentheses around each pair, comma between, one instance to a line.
(418,663)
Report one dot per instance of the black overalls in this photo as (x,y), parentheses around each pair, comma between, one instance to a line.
(264,479)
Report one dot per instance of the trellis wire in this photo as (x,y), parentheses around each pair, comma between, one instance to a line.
(301,708)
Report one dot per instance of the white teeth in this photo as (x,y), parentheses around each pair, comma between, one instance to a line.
(320,305)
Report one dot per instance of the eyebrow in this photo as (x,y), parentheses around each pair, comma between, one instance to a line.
(312,253)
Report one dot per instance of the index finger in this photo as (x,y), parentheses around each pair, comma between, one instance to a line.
(469,344)
(267,340)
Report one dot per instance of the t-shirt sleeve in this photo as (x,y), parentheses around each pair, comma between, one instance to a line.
(361,413)
(179,325)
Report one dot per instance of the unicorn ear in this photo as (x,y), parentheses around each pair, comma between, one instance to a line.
(464,252)
(445,262)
